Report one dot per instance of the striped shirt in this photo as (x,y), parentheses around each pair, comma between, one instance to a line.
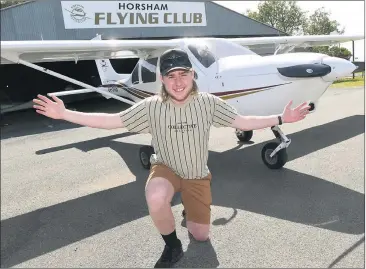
(180,133)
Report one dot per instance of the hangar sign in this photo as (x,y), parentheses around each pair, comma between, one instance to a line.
(119,14)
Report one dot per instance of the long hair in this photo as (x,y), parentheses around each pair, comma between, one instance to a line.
(165,95)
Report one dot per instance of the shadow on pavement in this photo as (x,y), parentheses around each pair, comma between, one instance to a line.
(28,122)
(198,255)
(348,251)
(240,181)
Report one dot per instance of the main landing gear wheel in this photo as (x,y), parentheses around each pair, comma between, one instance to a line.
(243,136)
(278,160)
(274,154)
(145,154)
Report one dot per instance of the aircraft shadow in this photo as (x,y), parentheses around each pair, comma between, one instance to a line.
(242,183)
(28,122)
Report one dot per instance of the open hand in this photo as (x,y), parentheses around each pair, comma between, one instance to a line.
(292,115)
(49,108)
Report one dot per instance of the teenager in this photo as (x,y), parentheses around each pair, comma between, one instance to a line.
(179,119)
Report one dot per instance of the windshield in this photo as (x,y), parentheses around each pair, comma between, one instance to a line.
(210,50)
(202,54)
(224,48)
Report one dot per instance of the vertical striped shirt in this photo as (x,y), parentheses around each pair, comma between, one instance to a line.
(180,133)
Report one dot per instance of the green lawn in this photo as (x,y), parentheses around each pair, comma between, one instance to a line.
(358,81)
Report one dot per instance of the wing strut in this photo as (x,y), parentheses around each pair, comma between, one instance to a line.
(55,74)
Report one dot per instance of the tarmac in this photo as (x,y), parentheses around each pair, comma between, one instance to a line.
(73,196)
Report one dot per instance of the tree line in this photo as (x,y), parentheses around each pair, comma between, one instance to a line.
(289,18)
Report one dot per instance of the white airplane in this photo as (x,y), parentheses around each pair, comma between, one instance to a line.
(224,67)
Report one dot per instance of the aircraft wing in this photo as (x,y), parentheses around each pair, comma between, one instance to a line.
(71,50)
(30,52)
(299,41)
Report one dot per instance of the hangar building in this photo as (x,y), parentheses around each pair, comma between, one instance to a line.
(83,20)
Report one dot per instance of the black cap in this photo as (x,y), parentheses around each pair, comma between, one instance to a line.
(174,59)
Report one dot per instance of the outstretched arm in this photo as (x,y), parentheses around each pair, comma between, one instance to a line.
(56,110)
(289,115)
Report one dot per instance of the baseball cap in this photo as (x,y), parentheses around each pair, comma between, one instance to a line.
(174,59)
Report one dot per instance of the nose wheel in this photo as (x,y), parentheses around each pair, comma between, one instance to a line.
(278,160)
(145,154)
(274,154)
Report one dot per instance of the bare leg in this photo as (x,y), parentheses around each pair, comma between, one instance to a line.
(159,193)
(200,232)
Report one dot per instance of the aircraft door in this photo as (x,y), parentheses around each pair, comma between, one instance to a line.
(205,65)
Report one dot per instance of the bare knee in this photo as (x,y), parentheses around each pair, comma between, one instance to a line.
(159,192)
(199,236)
(200,232)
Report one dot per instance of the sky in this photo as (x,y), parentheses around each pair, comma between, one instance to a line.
(339,10)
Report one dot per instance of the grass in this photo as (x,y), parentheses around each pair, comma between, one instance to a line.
(358,81)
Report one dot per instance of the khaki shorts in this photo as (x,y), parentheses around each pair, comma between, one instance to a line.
(196,193)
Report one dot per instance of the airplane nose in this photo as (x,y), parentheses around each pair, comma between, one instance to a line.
(340,68)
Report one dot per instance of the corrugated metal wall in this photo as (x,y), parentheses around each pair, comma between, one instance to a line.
(30,21)
(43,19)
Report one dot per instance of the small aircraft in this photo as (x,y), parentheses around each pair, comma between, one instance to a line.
(253,84)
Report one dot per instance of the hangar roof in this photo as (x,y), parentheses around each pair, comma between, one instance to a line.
(51,20)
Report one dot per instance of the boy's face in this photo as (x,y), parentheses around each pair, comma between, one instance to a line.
(178,84)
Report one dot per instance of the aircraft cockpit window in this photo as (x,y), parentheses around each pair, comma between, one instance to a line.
(203,54)
(148,70)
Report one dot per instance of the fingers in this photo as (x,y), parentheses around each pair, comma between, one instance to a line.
(41,112)
(39,107)
(43,101)
(44,98)
(302,106)
(57,100)
(289,105)
(39,102)
(305,110)
(302,114)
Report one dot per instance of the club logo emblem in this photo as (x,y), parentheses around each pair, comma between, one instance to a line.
(77,13)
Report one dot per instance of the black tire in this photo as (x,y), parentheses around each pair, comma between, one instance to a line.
(244,136)
(278,160)
(145,154)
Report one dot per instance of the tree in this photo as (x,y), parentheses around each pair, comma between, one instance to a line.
(8,3)
(285,16)
(319,23)
(334,51)
(288,17)
(340,52)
